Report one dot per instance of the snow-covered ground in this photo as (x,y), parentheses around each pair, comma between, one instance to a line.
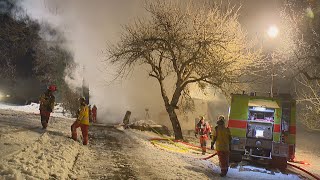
(308,148)
(34,108)
(28,152)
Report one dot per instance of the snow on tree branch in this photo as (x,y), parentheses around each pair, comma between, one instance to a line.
(188,43)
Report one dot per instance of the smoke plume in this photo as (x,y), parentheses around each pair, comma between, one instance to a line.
(88,27)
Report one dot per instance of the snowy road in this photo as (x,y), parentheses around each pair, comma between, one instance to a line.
(308,148)
(28,152)
(109,159)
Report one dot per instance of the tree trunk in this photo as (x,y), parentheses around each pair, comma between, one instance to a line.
(170,109)
(175,123)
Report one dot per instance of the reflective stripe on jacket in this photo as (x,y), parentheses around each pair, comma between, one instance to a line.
(223,138)
(202,129)
(83,116)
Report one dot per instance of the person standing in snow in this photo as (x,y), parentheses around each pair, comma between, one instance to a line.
(47,101)
(203,129)
(90,113)
(82,122)
(94,113)
(221,137)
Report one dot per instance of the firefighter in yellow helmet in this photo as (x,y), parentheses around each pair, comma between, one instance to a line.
(82,122)
(221,138)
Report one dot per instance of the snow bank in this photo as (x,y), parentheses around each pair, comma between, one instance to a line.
(34,108)
(44,159)
(51,155)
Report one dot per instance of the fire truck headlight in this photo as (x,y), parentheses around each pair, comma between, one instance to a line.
(258,143)
(235,141)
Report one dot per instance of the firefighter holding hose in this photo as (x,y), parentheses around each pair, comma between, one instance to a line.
(203,130)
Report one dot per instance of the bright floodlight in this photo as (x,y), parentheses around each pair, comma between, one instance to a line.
(273,31)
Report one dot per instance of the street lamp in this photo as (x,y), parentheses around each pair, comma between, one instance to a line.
(272,32)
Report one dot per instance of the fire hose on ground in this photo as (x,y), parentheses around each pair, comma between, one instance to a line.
(184,150)
(175,143)
(154,141)
(303,170)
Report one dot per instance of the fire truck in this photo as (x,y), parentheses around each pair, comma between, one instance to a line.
(263,128)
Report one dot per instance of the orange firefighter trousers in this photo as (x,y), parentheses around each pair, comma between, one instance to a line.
(203,142)
(45,115)
(84,130)
(94,117)
(224,161)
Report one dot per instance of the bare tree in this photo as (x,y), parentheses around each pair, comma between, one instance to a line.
(17,36)
(185,44)
(69,99)
(299,45)
(299,55)
(31,52)
(309,95)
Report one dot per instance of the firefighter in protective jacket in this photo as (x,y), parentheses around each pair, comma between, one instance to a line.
(94,113)
(221,137)
(82,122)
(204,130)
(47,101)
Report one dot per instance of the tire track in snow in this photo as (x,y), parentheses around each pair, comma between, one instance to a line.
(109,161)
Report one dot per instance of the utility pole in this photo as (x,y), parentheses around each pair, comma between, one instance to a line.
(85,87)
(272,32)
(272,76)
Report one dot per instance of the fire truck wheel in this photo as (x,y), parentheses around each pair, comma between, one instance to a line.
(279,162)
(235,156)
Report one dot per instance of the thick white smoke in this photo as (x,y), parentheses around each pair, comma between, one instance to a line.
(88,27)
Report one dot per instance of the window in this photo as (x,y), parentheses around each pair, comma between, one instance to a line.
(261,114)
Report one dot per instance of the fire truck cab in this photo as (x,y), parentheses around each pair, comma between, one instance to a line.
(263,128)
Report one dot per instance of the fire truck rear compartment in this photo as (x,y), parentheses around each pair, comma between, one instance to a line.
(259,139)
